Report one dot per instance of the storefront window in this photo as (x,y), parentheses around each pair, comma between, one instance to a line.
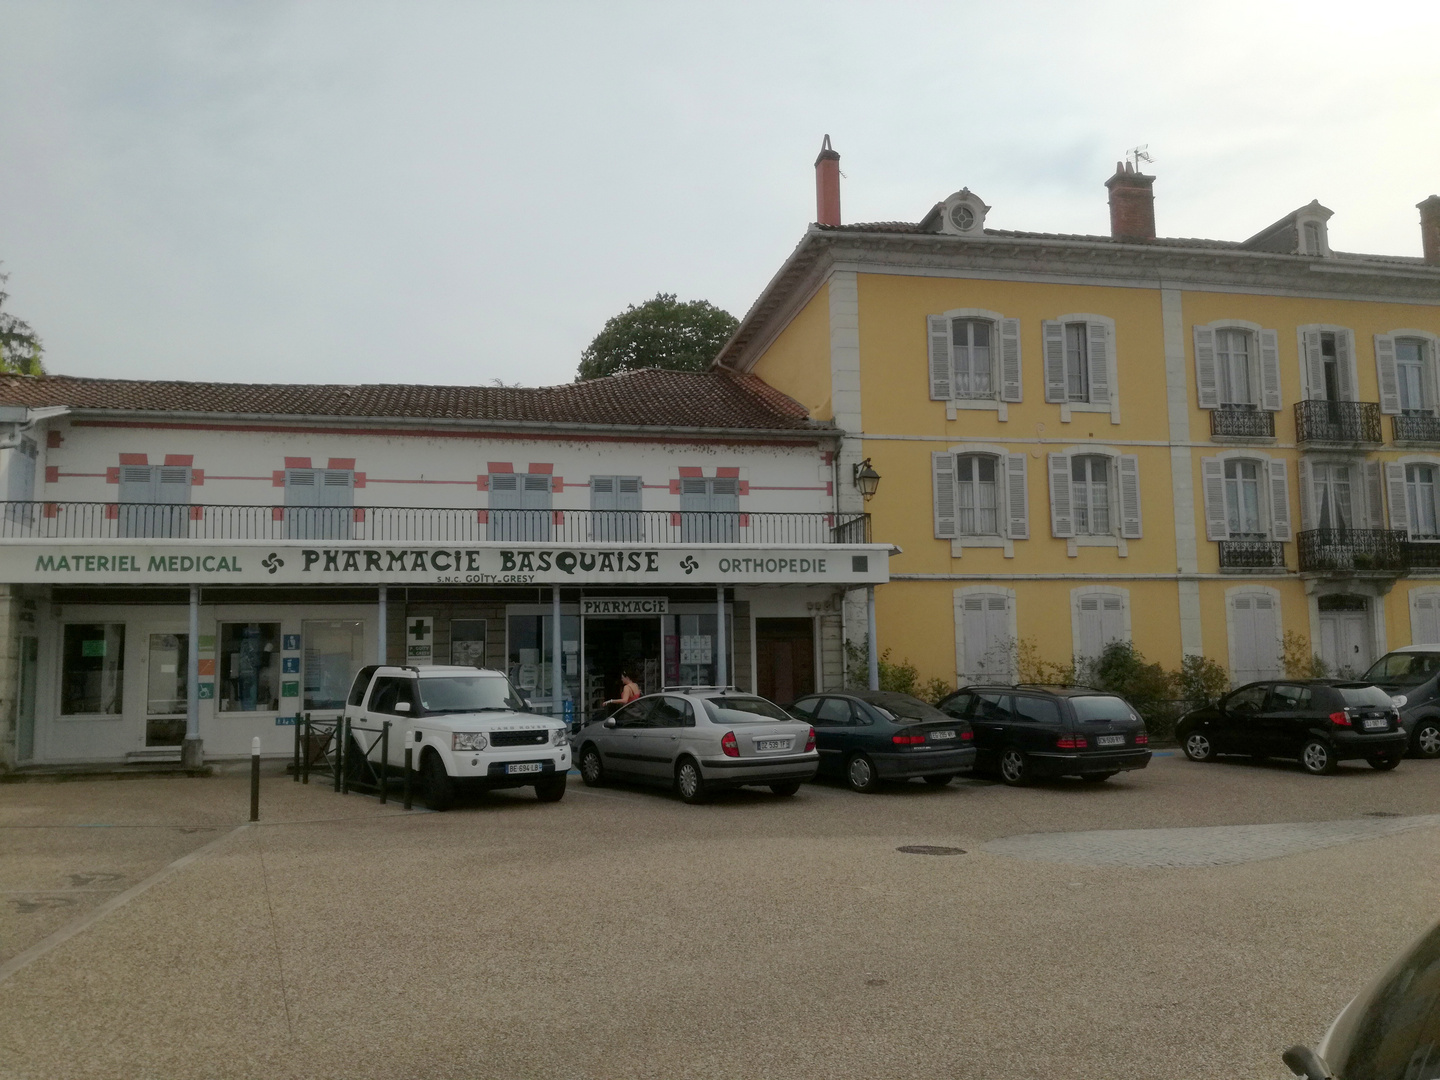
(334,651)
(467,642)
(92,669)
(250,667)
(690,652)
(531,655)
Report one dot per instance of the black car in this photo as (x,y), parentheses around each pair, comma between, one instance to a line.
(1411,676)
(1319,721)
(868,736)
(1027,731)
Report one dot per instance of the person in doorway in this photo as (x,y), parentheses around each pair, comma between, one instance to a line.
(629,691)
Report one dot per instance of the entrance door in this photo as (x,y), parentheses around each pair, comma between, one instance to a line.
(613,645)
(166,697)
(784,658)
(1346,643)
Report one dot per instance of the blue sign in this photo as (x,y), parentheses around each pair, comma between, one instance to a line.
(569,710)
(290,665)
(291,643)
(286,721)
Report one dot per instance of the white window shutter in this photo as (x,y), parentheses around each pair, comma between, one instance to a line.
(1090,642)
(1374,504)
(1395,487)
(1387,374)
(1054,341)
(1010,382)
(1344,353)
(1062,506)
(972,627)
(939,358)
(1017,497)
(1207,378)
(1112,620)
(1307,495)
(1270,398)
(942,472)
(1212,479)
(1314,366)
(1279,501)
(1097,336)
(1424,620)
(1128,468)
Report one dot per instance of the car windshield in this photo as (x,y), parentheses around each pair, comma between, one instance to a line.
(903,707)
(1101,708)
(1364,697)
(1410,668)
(468,693)
(744,710)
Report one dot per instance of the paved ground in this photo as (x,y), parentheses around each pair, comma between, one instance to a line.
(1143,928)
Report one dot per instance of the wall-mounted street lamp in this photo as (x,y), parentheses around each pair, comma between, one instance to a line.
(866,478)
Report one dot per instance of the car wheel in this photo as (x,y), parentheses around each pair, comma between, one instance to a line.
(1383,762)
(860,774)
(1198,747)
(551,789)
(1427,739)
(591,770)
(1316,757)
(789,787)
(1014,768)
(939,781)
(1096,777)
(439,787)
(689,782)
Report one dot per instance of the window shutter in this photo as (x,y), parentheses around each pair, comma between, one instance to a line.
(973,627)
(1090,642)
(1098,339)
(301,488)
(1212,479)
(1386,373)
(1010,385)
(1017,497)
(1062,507)
(1307,494)
(627,497)
(1374,505)
(1395,485)
(1425,620)
(135,484)
(939,358)
(602,493)
(1314,366)
(1128,466)
(1279,501)
(504,491)
(174,485)
(942,471)
(1112,620)
(1054,340)
(1344,352)
(1207,378)
(1270,371)
(336,489)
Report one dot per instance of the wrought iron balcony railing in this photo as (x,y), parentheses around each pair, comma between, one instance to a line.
(1417,429)
(1252,555)
(411,524)
(1242,423)
(1337,422)
(1352,551)
(1422,554)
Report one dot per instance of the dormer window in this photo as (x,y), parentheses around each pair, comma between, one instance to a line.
(1313,233)
(963,214)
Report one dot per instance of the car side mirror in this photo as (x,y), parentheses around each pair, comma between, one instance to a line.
(610,721)
(402,706)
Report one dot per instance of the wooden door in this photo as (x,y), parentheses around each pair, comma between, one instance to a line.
(784,658)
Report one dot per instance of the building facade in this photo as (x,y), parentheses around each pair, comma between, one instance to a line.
(1197,446)
(191,565)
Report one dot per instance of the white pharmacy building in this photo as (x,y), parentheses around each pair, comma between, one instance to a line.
(184,566)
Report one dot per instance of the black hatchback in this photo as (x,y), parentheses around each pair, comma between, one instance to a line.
(1320,722)
(1026,731)
(867,736)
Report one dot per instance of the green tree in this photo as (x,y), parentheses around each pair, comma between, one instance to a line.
(20,346)
(660,333)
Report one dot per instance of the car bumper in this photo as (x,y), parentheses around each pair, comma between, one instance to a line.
(491,767)
(928,763)
(732,772)
(1355,745)
(1105,761)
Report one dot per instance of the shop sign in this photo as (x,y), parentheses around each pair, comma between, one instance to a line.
(420,640)
(625,605)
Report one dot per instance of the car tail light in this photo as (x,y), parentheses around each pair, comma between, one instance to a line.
(1071,742)
(730,745)
(1142,739)
(966,735)
(1340,719)
(907,740)
(810,741)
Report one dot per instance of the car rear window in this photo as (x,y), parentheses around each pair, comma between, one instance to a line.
(1100,708)
(744,710)
(907,708)
(1414,667)
(1364,697)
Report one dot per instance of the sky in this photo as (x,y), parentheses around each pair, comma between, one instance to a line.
(456,193)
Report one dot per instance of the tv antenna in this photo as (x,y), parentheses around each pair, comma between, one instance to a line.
(1137,154)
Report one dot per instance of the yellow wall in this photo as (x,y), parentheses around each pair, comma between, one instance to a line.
(798,362)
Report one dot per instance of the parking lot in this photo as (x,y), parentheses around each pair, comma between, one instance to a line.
(1186,920)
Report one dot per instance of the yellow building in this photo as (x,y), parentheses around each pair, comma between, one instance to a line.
(1199,446)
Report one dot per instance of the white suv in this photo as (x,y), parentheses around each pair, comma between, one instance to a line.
(471,728)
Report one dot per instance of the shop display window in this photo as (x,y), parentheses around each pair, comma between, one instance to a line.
(249,673)
(531,656)
(690,650)
(92,673)
(467,642)
(334,651)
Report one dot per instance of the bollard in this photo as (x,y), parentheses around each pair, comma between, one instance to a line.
(342,748)
(296,762)
(335,752)
(305,750)
(255,778)
(384,762)
(409,763)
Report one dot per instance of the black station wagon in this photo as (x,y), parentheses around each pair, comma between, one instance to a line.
(1023,732)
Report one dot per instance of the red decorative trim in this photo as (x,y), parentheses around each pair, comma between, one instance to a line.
(675,520)
(558,516)
(52,474)
(829,487)
(112,511)
(112,475)
(197,513)
(360,480)
(180,459)
(482,482)
(51,510)
(277,513)
(536,467)
(341,463)
(298,463)
(744,487)
(197,477)
(557,483)
(744,521)
(53,439)
(675,488)
(830,520)
(828,456)
(277,478)
(690,471)
(499,467)
(482,516)
(358,514)
(134,459)
(729,472)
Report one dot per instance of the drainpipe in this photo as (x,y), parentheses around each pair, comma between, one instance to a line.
(870,629)
(720,637)
(382,599)
(557,674)
(192,751)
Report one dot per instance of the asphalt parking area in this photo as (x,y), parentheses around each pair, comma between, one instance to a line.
(622,933)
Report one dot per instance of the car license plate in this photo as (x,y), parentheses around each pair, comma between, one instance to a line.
(942,734)
(1379,723)
(772,744)
(529,766)
(1110,740)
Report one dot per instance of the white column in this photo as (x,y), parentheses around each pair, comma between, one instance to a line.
(192,752)
(384,618)
(720,673)
(874,645)
(557,667)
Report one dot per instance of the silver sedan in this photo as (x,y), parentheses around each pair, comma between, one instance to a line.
(697,742)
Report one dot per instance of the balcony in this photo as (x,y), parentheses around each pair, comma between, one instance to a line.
(420,525)
(1252,555)
(1377,552)
(1242,424)
(1422,554)
(1422,430)
(1337,423)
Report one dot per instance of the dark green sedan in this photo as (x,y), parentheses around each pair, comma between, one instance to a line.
(866,737)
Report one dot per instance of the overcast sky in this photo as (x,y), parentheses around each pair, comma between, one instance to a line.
(459,192)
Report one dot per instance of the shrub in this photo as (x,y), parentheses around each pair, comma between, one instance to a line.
(1299,660)
(1202,681)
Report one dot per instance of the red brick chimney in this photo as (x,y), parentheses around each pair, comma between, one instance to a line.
(1430,229)
(1132,204)
(827,185)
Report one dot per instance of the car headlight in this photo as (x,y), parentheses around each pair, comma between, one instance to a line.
(560,737)
(467,740)
(1399,701)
